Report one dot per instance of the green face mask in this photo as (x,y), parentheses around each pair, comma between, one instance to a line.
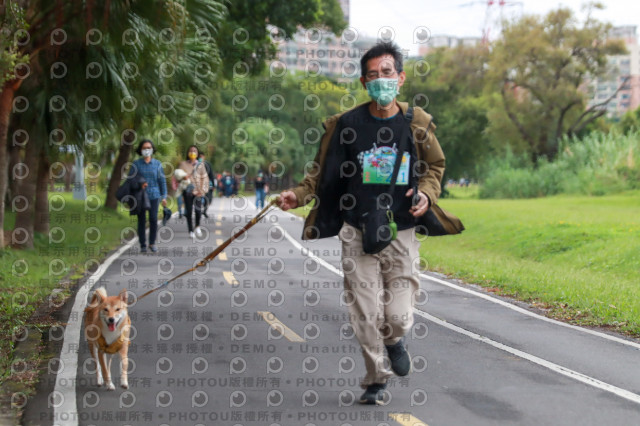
(383,90)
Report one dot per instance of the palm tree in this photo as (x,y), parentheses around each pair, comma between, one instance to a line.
(128,50)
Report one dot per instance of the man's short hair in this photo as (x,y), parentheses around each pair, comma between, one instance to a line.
(380,49)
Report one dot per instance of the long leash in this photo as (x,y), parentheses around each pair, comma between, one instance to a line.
(218,249)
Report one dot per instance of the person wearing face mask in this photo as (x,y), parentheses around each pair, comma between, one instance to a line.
(197,188)
(351,182)
(156,187)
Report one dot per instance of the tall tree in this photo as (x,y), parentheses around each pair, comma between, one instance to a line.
(96,65)
(252,29)
(13,29)
(449,84)
(538,67)
(175,76)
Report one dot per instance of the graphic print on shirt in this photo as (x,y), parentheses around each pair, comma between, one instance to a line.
(377,165)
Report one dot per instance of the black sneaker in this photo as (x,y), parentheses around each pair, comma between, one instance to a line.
(153,248)
(399,357)
(373,395)
(143,249)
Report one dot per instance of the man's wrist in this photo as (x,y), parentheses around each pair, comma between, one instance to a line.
(427,197)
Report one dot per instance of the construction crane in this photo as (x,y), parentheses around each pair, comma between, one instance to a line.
(486,27)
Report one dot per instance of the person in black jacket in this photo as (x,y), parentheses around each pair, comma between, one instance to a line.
(350,182)
(133,195)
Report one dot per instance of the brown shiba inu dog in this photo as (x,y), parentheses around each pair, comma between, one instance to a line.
(106,327)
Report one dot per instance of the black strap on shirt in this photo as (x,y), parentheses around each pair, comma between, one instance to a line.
(400,154)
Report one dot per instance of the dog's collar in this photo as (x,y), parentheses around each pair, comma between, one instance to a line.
(116,345)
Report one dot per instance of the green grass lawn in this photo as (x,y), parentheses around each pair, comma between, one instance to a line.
(28,277)
(577,257)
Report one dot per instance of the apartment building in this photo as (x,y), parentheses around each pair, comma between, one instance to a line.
(621,67)
(438,41)
(318,52)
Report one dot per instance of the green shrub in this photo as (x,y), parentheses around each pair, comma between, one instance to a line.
(598,164)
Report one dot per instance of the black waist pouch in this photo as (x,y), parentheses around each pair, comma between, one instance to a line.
(378,230)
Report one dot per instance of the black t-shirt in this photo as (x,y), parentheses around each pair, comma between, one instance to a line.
(370,147)
(260,182)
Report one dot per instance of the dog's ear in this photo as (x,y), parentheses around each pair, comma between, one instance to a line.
(123,295)
(97,298)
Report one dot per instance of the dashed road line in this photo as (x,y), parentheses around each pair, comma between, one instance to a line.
(406,419)
(228,276)
(222,255)
(277,325)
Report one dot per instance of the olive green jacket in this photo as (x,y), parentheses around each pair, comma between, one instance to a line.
(325,218)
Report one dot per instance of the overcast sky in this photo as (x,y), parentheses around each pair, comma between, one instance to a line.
(448,17)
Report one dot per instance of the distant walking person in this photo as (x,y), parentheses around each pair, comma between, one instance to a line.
(262,188)
(229,184)
(198,186)
(156,186)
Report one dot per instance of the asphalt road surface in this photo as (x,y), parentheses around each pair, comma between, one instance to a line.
(262,337)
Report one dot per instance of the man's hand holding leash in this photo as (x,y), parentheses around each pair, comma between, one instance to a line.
(287,200)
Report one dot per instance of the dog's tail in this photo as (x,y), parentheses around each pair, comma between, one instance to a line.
(98,296)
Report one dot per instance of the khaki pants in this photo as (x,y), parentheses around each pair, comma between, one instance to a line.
(379,289)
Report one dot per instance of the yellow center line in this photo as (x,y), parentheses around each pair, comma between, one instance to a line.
(218,232)
(276,324)
(218,223)
(219,217)
(222,255)
(228,276)
(406,419)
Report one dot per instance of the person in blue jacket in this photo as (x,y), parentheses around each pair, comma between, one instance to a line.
(156,187)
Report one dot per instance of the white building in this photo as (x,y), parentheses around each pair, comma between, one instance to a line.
(622,67)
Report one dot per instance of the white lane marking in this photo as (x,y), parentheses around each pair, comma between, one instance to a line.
(536,360)
(306,252)
(65,413)
(554,367)
(532,314)
(507,305)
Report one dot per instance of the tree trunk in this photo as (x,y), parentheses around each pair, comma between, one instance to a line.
(14,158)
(6,103)
(23,229)
(124,153)
(68,176)
(41,224)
